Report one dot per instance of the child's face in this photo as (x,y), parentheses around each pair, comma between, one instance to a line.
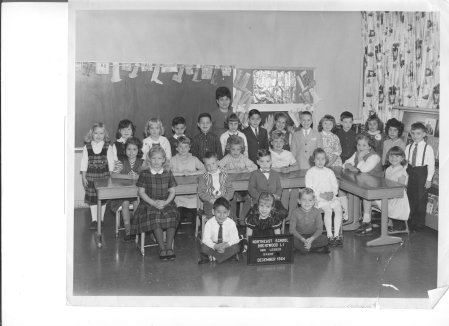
(328,125)
(233,126)
(265,207)
(155,131)
(395,160)
(157,161)
(235,150)
(183,149)
(278,144)
(373,125)
(346,123)
(221,214)
(131,151)
(306,121)
(179,129)
(307,201)
(393,132)
(281,123)
(98,134)
(264,162)
(126,132)
(204,124)
(211,164)
(223,103)
(320,160)
(418,135)
(254,121)
(362,145)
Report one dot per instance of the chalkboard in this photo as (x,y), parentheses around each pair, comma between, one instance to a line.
(276,249)
(138,99)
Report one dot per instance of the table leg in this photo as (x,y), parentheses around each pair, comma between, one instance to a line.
(98,235)
(354,213)
(384,238)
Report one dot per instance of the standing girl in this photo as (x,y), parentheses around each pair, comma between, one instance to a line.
(331,142)
(157,211)
(129,168)
(153,133)
(393,130)
(373,128)
(323,182)
(97,163)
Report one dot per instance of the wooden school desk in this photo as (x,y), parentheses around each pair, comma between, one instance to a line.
(365,186)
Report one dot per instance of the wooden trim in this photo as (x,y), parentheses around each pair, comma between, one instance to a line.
(416,110)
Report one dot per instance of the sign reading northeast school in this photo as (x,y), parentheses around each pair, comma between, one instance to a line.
(276,249)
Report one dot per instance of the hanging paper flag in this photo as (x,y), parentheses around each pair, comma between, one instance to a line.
(245,97)
(215,75)
(226,71)
(237,97)
(145,66)
(189,69)
(78,66)
(195,75)
(178,77)
(244,81)
(133,74)
(115,72)
(169,68)
(87,68)
(206,72)
(238,77)
(102,68)
(127,67)
(154,77)
(301,85)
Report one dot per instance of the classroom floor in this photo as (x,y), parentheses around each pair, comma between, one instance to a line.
(352,271)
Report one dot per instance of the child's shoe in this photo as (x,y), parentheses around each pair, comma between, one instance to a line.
(93,225)
(212,258)
(363,227)
(368,230)
(338,241)
(235,257)
(203,259)
(170,254)
(331,241)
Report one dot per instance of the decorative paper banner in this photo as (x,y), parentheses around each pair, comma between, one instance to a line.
(244,81)
(206,72)
(102,68)
(226,71)
(189,70)
(215,75)
(195,75)
(145,66)
(133,74)
(127,66)
(115,72)
(178,77)
(87,68)
(155,75)
(169,68)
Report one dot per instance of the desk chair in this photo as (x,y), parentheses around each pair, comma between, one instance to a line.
(142,244)
(117,219)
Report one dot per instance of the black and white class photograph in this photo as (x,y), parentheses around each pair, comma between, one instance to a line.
(254,158)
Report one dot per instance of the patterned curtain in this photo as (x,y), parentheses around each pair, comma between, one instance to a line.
(401,61)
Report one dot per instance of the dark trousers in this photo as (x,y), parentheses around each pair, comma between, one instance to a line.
(319,242)
(417,195)
(221,257)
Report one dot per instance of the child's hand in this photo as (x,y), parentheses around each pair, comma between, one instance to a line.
(348,166)
(285,169)
(85,183)
(329,195)
(428,184)
(118,166)
(308,243)
(276,197)
(159,204)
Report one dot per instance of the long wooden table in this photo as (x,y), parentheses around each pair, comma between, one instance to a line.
(355,184)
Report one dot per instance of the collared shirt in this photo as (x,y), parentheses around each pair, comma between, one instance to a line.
(254,131)
(224,138)
(265,173)
(210,234)
(156,172)
(282,159)
(216,181)
(242,162)
(203,143)
(306,131)
(307,222)
(429,158)
(165,144)
(97,148)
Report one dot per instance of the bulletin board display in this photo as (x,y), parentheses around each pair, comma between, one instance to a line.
(98,99)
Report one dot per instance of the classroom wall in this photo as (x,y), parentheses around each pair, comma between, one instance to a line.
(329,41)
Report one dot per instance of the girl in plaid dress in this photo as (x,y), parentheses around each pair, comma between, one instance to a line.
(96,163)
(157,211)
(331,142)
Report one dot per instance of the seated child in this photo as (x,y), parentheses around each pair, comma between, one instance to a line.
(265,180)
(213,184)
(220,240)
(233,129)
(280,125)
(324,184)
(157,210)
(282,159)
(306,225)
(154,131)
(129,168)
(373,128)
(263,219)
(331,143)
(393,130)
(178,126)
(365,160)
(181,164)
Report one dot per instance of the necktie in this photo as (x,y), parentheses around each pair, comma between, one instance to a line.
(257,132)
(220,234)
(415,151)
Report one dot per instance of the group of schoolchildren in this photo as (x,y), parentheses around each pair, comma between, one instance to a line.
(221,148)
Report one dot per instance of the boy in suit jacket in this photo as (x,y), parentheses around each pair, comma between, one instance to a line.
(305,141)
(256,136)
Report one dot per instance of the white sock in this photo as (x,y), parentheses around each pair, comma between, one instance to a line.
(93,212)
(328,221)
(344,205)
(366,218)
(103,210)
(337,220)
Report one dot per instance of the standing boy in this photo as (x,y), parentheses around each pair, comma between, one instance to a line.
(346,136)
(178,126)
(305,141)
(220,116)
(220,239)
(420,169)
(256,136)
(306,225)
(205,141)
